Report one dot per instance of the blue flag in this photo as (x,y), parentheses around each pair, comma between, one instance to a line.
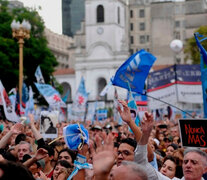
(203,57)
(134,71)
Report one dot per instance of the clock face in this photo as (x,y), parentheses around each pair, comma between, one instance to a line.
(100,30)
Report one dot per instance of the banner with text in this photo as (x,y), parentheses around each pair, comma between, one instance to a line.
(193,132)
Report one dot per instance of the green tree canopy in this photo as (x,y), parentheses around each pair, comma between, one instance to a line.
(191,49)
(35,50)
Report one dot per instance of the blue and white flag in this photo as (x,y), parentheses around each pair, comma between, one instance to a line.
(30,103)
(134,71)
(50,94)
(81,95)
(203,57)
(38,75)
(133,108)
(74,135)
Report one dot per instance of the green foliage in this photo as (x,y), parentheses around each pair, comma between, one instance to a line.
(35,50)
(191,49)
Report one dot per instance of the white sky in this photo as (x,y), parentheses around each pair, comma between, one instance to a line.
(50,12)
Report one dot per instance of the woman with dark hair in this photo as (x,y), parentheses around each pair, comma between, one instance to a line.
(170,149)
(62,170)
(171,168)
(67,155)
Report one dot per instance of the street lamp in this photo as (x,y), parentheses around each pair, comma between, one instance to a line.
(20,31)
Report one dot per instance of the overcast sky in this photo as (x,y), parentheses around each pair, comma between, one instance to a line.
(50,12)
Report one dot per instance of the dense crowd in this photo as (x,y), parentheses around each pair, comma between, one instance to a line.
(151,151)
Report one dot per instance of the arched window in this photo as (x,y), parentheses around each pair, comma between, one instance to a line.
(100,14)
(118,15)
(101,85)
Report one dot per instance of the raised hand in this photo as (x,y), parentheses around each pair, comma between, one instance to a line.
(17,128)
(31,117)
(147,122)
(40,154)
(146,125)
(125,113)
(104,157)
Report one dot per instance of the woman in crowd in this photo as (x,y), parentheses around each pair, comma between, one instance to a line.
(171,167)
(170,149)
(62,170)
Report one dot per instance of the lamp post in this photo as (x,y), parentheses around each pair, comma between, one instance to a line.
(20,31)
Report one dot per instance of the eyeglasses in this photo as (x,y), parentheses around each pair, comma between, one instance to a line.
(124,153)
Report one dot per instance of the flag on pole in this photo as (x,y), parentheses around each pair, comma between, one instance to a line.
(25,95)
(134,71)
(117,117)
(50,94)
(81,95)
(133,108)
(79,106)
(106,89)
(30,102)
(203,57)
(8,110)
(38,75)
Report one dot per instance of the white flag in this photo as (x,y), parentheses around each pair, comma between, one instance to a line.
(38,75)
(106,89)
(8,109)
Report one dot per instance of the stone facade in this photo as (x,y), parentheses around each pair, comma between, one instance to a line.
(165,21)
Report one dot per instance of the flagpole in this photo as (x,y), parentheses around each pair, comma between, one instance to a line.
(86,111)
(165,103)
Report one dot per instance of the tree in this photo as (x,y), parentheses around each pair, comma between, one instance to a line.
(191,49)
(35,49)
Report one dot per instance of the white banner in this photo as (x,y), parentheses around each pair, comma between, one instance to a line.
(8,109)
(190,93)
(167,94)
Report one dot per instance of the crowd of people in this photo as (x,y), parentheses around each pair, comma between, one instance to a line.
(152,151)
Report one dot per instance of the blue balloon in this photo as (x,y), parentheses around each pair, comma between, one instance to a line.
(74,135)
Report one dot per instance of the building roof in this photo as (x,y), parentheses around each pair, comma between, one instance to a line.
(64,71)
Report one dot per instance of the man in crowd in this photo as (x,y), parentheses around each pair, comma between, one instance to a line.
(22,149)
(195,160)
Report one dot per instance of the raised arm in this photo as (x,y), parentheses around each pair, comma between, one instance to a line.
(15,129)
(126,117)
(36,133)
(147,125)
(40,154)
